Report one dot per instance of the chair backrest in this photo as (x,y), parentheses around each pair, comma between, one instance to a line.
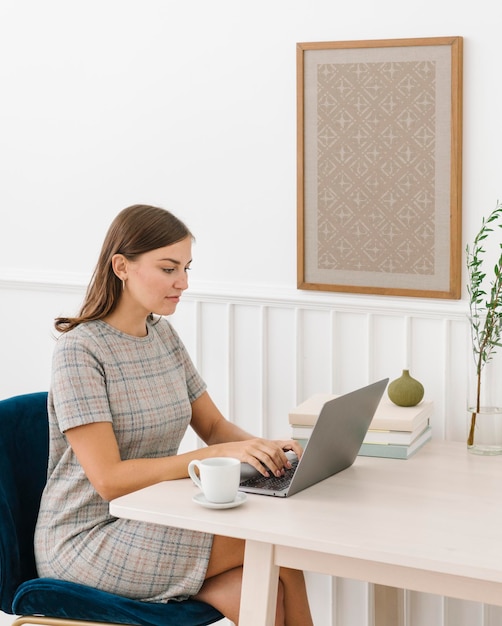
(24,445)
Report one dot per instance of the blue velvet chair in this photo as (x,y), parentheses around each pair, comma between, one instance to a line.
(23,465)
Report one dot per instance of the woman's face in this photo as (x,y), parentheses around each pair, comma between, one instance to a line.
(156,279)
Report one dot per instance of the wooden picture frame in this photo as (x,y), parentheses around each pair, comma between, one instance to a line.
(380,166)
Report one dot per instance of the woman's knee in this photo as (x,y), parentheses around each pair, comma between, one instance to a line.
(226,554)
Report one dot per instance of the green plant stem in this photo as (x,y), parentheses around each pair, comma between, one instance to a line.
(483,357)
(491,331)
(470,438)
(472,427)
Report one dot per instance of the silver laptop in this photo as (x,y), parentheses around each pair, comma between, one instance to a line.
(332,447)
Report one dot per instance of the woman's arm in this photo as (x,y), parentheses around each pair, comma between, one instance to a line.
(96,449)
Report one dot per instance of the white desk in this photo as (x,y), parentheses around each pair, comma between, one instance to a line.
(431,523)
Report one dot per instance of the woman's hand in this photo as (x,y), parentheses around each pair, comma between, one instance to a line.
(225,438)
(264,455)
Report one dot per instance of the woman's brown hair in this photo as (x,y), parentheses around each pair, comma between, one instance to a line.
(136,230)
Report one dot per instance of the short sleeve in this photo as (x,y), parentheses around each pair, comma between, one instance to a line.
(78,389)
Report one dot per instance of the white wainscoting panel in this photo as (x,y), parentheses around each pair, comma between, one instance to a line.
(261,353)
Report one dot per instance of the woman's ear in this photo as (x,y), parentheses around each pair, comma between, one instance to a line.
(119,266)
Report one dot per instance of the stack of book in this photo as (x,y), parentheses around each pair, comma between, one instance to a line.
(395,432)
(398,431)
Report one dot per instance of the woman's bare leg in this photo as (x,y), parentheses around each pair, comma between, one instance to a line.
(226,554)
(296,603)
(223,591)
(222,587)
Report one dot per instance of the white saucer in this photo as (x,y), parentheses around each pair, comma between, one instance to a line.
(200,499)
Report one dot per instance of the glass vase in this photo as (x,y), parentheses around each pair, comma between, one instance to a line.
(484,406)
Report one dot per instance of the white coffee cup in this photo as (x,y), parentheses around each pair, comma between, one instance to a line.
(218,478)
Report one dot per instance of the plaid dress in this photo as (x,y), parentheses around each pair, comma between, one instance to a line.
(144,386)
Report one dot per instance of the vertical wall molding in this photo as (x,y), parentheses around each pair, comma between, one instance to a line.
(264,387)
(299,354)
(197,356)
(407,342)
(333,373)
(230,361)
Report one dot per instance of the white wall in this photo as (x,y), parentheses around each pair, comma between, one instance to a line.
(191,105)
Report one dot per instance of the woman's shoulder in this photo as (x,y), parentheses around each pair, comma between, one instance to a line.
(82,333)
(163,328)
(88,337)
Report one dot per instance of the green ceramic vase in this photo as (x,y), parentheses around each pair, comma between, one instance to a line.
(405,390)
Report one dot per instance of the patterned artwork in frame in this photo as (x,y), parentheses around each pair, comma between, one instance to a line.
(379,166)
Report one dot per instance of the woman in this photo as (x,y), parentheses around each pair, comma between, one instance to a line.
(123,393)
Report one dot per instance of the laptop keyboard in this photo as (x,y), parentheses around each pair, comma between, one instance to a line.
(272,483)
